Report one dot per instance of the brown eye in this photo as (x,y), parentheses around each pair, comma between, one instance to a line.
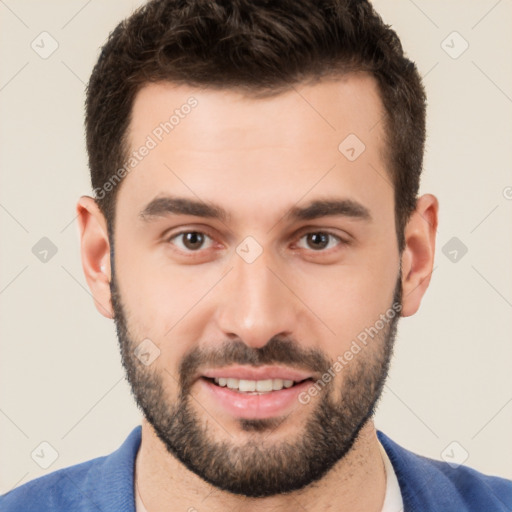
(319,240)
(190,240)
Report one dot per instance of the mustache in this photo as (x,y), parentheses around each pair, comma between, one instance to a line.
(276,351)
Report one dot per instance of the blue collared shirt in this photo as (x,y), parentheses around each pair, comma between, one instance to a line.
(105,484)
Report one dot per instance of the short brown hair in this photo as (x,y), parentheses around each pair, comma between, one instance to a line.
(262,47)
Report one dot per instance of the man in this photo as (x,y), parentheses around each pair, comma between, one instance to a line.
(256,234)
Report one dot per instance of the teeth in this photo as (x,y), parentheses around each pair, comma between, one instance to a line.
(232,383)
(249,386)
(264,385)
(277,384)
(246,385)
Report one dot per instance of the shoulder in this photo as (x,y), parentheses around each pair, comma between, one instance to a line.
(428,484)
(104,483)
(59,490)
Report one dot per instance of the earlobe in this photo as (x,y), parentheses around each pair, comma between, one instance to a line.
(95,253)
(418,255)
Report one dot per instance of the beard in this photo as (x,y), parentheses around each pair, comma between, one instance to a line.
(260,467)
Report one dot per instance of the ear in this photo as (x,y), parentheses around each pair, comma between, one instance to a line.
(418,254)
(95,253)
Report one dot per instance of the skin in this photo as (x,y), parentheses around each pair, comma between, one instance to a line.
(257,158)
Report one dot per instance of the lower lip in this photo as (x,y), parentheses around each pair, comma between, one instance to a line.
(255,406)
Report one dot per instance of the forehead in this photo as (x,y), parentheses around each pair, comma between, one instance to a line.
(223,144)
(333,106)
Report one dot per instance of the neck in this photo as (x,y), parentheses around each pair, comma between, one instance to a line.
(356,483)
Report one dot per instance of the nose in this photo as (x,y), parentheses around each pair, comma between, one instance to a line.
(256,302)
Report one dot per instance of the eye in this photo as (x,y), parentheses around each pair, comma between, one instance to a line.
(320,240)
(190,241)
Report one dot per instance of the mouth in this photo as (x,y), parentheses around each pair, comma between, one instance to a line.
(254,393)
(254,387)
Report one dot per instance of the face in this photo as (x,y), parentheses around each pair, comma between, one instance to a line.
(257,283)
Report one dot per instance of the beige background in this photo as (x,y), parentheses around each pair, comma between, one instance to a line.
(61,380)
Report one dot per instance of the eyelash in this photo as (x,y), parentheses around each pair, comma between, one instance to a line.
(340,240)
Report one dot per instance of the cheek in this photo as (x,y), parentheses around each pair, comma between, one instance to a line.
(349,298)
(173,298)
(169,305)
(157,292)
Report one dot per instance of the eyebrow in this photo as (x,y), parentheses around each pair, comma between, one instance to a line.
(169,205)
(330,207)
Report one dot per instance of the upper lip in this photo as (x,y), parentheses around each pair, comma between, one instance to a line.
(257,373)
